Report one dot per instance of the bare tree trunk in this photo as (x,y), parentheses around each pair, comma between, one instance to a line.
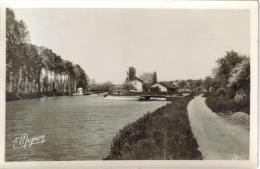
(68,84)
(10,88)
(50,82)
(71,85)
(32,84)
(38,81)
(59,82)
(26,85)
(64,82)
(75,85)
(45,83)
(19,81)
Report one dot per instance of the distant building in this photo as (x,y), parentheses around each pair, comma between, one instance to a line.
(176,83)
(184,90)
(164,87)
(137,83)
(80,90)
(117,89)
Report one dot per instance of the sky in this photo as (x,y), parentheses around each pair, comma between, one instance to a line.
(176,43)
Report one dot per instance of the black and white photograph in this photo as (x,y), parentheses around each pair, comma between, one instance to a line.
(89,84)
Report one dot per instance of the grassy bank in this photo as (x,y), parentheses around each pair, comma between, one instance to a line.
(222,104)
(164,134)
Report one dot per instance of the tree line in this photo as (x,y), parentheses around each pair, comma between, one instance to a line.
(229,85)
(34,69)
(231,77)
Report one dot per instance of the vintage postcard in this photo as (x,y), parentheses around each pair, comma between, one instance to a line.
(155,85)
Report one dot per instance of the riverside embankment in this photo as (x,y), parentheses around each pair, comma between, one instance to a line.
(22,96)
(164,134)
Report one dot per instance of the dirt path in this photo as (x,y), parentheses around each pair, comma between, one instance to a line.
(217,139)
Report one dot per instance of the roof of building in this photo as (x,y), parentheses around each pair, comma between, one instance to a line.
(140,80)
(168,85)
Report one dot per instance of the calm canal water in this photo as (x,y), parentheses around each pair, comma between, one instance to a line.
(75,127)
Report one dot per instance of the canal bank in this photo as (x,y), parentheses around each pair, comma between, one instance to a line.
(164,134)
(22,96)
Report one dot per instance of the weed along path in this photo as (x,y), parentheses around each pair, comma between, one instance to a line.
(217,139)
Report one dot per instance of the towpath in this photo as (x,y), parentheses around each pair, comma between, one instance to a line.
(217,139)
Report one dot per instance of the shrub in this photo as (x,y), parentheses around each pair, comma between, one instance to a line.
(227,104)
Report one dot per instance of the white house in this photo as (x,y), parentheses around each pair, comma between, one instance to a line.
(138,84)
(80,90)
(167,87)
(160,87)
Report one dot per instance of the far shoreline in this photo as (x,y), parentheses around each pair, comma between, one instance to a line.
(10,97)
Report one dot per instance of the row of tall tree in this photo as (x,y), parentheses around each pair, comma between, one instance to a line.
(101,87)
(32,69)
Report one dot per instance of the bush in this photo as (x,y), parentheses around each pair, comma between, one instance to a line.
(226,104)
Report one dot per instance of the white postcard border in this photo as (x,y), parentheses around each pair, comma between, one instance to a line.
(251,5)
